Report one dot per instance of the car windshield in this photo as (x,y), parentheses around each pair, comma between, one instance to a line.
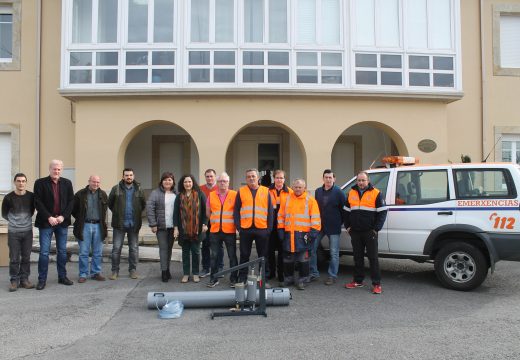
(378,179)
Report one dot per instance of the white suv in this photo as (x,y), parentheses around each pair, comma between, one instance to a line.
(464,217)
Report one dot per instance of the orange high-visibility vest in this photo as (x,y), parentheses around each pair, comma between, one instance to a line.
(256,209)
(367,201)
(279,200)
(300,213)
(221,216)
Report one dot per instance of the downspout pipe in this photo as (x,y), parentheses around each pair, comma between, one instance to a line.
(37,119)
(483,83)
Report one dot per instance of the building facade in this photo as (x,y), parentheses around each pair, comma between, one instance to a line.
(303,85)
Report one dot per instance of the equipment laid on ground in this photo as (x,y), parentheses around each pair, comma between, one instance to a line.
(246,298)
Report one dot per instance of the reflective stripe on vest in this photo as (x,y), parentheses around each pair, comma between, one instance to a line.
(221,216)
(296,220)
(254,208)
(367,201)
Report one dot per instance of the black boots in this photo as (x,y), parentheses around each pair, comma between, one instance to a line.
(165,276)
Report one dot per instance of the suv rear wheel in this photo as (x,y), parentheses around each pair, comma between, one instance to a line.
(460,266)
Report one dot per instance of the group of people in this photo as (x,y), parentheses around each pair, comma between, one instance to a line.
(285,223)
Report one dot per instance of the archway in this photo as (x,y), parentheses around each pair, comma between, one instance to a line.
(158,146)
(265,145)
(362,146)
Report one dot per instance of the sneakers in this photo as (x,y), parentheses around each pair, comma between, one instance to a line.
(133,274)
(300,286)
(353,285)
(204,273)
(196,278)
(330,280)
(26,284)
(232,284)
(14,286)
(185,279)
(98,277)
(82,279)
(114,275)
(376,289)
(314,277)
(213,283)
(65,281)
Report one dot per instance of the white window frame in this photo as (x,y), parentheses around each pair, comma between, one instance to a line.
(265,37)
(513,138)
(13,133)
(212,14)
(498,11)
(14,8)
(318,45)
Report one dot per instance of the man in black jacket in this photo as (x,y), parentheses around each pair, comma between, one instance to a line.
(53,196)
(90,227)
(364,217)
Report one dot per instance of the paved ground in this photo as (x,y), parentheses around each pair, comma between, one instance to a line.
(414,318)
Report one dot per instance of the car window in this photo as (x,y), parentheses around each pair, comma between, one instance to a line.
(483,183)
(420,187)
(379,180)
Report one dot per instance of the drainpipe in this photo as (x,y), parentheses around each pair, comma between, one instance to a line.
(483,83)
(38,85)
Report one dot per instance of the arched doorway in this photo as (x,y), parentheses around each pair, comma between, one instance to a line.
(161,146)
(362,146)
(265,145)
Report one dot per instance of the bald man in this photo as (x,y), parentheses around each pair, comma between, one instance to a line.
(90,228)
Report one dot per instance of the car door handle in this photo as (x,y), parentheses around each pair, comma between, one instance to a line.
(445,213)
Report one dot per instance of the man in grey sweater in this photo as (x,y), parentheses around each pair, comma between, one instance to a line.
(18,209)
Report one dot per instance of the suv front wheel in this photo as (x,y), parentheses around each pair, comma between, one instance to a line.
(460,266)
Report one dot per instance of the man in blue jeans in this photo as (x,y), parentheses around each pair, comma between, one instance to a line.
(126,201)
(330,200)
(53,198)
(90,228)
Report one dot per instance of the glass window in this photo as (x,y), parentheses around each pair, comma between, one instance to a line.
(366,60)
(224,75)
(80,59)
(82,21)
(198,75)
(224,58)
(307,59)
(106,76)
(331,59)
(439,24)
(163,21)
(224,21)
(277,58)
(137,58)
(278,75)
(509,44)
(277,21)
(163,75)
(419,79)
(391,61)
(306,22)
(442,63)
(253,75)
(200,20)
(483,183)
(80,76)
(163,58)
(443,80)
(136,75)
(330,22)
(107,58)
(378,179)
(420,187)
(199,57)
(366,77)
(137,21)
(511,149)
(253,21)
(307,76)
(253,58)
(419,62)
(391,78)
(365,22)
(389,23)
(331,77)
(107,21)
(417,23)
(6,34)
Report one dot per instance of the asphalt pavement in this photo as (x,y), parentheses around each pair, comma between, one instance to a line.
(414,318)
